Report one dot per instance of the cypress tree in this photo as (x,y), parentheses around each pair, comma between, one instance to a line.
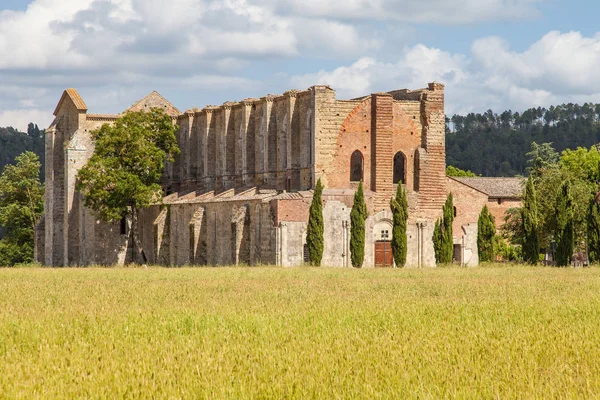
(443,242)
(593,231)
(399,206)
(447,222)
(563,222)
(314,231)
(358,215)
(437,241)
(530,224)
(486,229)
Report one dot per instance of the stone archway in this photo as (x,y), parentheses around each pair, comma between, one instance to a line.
(382,240)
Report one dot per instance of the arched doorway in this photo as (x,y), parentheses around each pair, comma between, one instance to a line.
(399,168)
(382,236)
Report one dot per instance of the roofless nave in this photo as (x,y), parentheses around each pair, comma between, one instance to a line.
(240,190)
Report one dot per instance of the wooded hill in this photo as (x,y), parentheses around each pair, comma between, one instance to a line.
(491,144)
(13,143)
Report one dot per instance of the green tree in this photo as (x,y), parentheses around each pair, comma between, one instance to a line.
(123,174)
(540,157)
(530,224)
(581,187)
(399,206)
(358,215)
(563,226)
(21,207)
(486,230)
(443,241)
(582,163)
(315,229)
(438,241)
(453,171)
(593,231)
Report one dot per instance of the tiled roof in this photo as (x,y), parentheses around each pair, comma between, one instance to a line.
(75,98)
(101,116)
(226,196)
(494,187)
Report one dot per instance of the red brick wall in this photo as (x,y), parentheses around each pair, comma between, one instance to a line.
(382,163)
(432,193)
(468,203)
(407,136)
(497,210)
(291,210)
(355,134)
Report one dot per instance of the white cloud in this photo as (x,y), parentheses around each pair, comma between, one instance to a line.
(560,67)
(20,118)
(416,66)
(564,63)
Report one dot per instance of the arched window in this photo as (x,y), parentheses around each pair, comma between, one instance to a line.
(417,168)
(356,166)
(399,168)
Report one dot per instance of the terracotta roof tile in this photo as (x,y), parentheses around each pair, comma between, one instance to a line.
(496,187)
(75,98)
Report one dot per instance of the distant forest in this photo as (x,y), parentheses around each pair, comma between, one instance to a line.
(13,143)
(491,144)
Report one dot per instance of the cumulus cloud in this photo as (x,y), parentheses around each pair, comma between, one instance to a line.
(560,67)
(115,51)
(20,118)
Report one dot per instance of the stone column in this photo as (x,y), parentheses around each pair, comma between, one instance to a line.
(210,148)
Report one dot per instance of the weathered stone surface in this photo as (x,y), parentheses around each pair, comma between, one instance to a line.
(240,190)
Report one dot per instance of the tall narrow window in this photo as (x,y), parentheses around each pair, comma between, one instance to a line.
(417,168)
(123,226)
(356,166)
(399,168)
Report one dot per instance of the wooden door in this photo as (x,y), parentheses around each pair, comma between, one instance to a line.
(383,255)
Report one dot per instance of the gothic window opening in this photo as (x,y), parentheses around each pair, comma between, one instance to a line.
(356,166)
(399,168)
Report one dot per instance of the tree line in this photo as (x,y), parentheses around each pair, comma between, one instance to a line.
(560,215)
(491,144)
(14,143)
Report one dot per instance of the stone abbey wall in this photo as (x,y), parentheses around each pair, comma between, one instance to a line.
(240,190)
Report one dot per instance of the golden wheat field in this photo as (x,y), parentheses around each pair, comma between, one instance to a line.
(300,333)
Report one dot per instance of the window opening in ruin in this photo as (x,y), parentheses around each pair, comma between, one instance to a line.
(416,171)
(288,184)
(123,226)
(356,166)
(499,201)
(305,254)
(455,211)
(399,168)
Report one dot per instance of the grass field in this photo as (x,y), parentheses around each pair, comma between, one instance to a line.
(300,333)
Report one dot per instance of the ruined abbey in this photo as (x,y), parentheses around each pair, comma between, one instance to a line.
(240,190)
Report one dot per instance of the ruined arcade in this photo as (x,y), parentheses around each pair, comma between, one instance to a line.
(240,190)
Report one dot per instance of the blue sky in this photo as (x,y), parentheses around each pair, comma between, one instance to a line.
(496,54)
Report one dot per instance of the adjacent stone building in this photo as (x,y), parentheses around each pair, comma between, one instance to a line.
(240,190)
(470,195)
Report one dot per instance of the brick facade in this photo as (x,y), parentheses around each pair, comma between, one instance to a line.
(240,190)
